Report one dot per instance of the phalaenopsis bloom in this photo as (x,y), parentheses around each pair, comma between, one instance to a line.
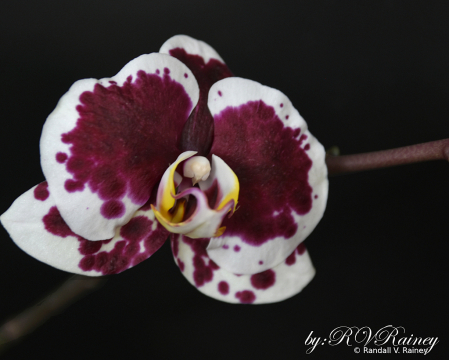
(175,147)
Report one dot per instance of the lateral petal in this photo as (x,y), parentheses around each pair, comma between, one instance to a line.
(108,141)
(272,285)
(282,173)
(34,223)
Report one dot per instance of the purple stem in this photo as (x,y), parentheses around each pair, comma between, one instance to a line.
(434,150)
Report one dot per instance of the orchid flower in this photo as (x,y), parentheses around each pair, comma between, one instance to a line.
(175,146)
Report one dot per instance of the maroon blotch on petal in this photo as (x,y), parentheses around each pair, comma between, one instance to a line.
(136,229)
(112,209)
(180,264)
(72,185)
(61,157)
(245,296)
(115,148)
(223,287)
(41,191)
(124,254)
(263,280)
(272,169)
(203,266)
(291,259)
(301,249)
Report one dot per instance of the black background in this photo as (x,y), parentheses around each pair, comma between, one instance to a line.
(366,75)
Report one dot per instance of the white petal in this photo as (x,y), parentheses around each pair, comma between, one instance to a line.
(253,126)
(279,283)
(191,46)
(35,225)
(119,143)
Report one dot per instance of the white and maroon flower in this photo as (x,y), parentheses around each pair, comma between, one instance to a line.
(174,144)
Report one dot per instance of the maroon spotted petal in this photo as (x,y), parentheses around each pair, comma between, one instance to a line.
(281,170)
(108,142)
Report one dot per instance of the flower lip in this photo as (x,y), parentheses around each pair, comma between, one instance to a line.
(203,221)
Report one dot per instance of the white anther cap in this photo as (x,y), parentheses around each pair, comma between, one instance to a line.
(198,168)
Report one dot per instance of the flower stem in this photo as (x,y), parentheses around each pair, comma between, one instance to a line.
(71,290)
(434,150)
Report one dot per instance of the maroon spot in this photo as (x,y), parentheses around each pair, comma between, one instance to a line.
(61,157)
(166,71)
(260,262)
(112,209)
(302,138)
(219,93)
(112,82)
(203,266)
(185,75)
(291,259)
(263,280)
(307,147)
(213,265)
(225,246)
(175,244)
(180,264)
(55,224)
(136,229)
(286,117)
(72,185)
(223,288)
(296,132)
(253,149)
(41,191)
(158,71)
(115,146)
(89,247)
(198,132)
(301,249)
(246,296)
(316,196)
(236,248)
(282,105)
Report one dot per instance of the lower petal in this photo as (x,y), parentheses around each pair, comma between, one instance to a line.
(276,284)
(36,226)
